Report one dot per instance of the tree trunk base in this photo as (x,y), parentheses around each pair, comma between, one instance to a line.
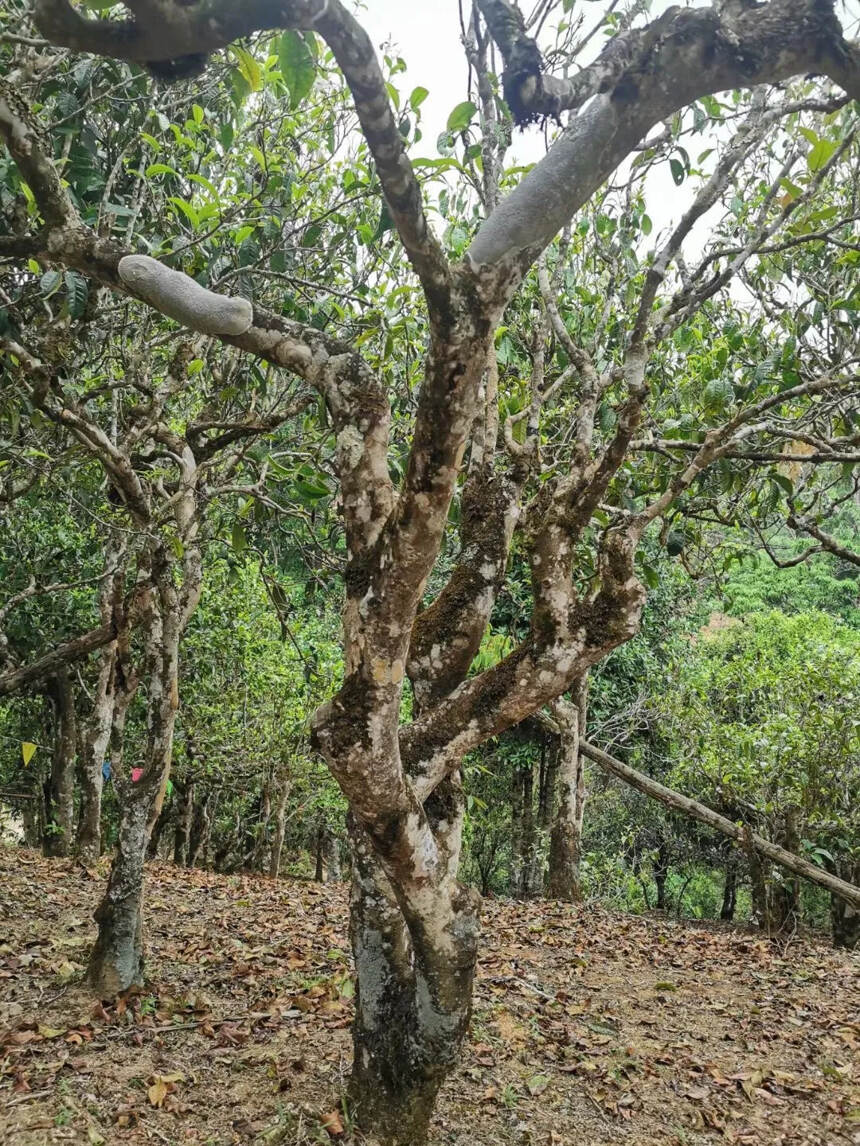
(116,962)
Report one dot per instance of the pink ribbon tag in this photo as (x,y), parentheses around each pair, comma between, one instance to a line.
(136,774)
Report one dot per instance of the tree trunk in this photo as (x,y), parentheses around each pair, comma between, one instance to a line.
(158,831)
(96,736)
(516,873)
(531,858)
(117,958)
(262,850)
(785,887)
(661,873)
(93,754)
(844,923)
(565,844)
(201,825)
(332,857)
(182,831)
(730,892)
(60,790)
(412,1003)
(116,962)
(320,842)
(280,830)
(844,917)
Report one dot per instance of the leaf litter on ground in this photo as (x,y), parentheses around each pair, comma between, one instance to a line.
(589,1026)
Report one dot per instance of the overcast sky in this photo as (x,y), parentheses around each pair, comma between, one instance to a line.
(427,35)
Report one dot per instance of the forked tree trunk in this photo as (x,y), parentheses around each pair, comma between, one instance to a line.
(116,963)
(412,1004)
(565,845)
(60,790)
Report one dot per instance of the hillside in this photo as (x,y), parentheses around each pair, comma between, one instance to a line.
(588,1027)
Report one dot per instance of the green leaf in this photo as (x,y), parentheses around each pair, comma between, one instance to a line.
(297,66)
(239,538)
(418,97)
(160,169)
(819,154)
(186,209)
(77,292)
(461,116)
(50,283)
(678,172)
(313,492)
(248,67)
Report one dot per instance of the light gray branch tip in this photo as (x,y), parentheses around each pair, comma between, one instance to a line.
(178,296)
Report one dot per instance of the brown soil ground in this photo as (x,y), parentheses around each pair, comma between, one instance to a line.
(589,1027)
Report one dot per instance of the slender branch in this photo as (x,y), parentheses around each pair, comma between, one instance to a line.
(827,540)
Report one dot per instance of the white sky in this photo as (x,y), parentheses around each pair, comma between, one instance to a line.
(427,36)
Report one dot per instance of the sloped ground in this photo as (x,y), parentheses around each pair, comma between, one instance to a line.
(589,1028)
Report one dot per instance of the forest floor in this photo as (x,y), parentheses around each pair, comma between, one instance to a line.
(589,1027)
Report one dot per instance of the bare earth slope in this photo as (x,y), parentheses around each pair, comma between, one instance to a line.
(589,1028)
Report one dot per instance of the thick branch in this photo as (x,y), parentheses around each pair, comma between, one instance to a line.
(743,836)
(682,56)
(62,655)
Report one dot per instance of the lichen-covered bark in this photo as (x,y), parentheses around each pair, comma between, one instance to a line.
(93,755)
(565,848)
(96,735)
(60,789)
(413,1000)
(116,962)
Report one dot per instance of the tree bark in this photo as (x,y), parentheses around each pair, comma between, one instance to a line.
(57,659)
(661,873)
(96,735)
(413,1003)
(60,791)
(182,831)
(280,829)
(846,891)
(565,845)
(727,910)
(516,873)
(262,850)
(93,754)
(116,962)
